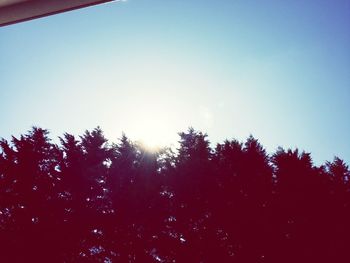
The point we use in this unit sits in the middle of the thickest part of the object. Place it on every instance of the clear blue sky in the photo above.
(279, 70)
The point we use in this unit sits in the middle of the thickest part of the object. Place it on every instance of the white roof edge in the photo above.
(14, 11)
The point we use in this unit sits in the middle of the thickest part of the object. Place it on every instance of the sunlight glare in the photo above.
(153, 129)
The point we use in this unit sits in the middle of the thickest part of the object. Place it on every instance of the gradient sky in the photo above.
(279, 70)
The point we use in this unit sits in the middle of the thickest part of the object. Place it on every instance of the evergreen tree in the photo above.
(85, 200)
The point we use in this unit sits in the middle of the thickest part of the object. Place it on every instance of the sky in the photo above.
(279, 70)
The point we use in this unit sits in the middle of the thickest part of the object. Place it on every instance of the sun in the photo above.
(153, 130)
(152, 142)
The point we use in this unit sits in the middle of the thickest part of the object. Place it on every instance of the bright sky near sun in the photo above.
(279, 70)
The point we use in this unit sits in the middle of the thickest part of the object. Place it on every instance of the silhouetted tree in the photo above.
(30, 165)
(85, 200)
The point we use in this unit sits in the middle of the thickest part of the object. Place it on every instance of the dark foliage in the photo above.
(85, 200)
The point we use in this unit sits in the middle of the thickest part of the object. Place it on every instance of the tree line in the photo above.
(88, 200)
